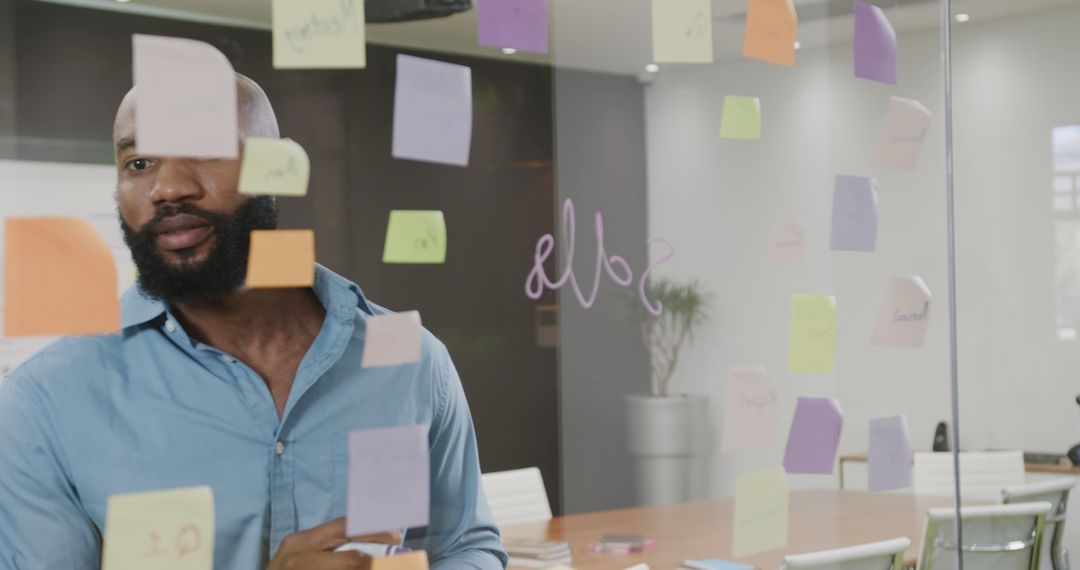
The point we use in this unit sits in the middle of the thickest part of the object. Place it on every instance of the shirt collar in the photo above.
(338, 295)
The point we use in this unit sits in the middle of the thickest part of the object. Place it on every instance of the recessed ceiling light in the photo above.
(961, 18)
(509, 51)
(123, 1)
(652, 68)
(798, 45)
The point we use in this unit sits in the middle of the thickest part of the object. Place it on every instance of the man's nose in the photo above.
(176, 182)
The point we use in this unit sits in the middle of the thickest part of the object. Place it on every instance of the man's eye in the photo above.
(139, 164)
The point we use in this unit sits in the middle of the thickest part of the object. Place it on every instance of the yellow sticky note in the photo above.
(274, 166)
(415, 236)
(741, 118)
(771, 31)
(319, 34)
(682, 31)
(761, 512)
(281, 258)
(410, 561)
(59, 278)
(813, 334)
(163, 530)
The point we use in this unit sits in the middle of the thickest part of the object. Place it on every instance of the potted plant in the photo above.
(665, 431)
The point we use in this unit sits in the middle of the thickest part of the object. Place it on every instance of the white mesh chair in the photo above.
(1054, 556)
(885, 555)
(517, 496)
(983, 474)
(997, 537)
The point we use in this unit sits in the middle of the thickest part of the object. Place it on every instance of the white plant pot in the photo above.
(665, 435)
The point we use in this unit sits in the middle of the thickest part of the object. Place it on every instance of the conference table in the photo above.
(818, 520)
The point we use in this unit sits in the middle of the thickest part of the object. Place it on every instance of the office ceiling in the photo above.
(602, 35)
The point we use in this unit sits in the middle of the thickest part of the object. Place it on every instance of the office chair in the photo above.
(1054, 556)
(885, 555)
(998, 537)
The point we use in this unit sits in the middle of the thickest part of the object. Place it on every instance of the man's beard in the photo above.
(225, 266)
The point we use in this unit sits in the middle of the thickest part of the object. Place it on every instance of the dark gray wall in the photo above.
(7, 78)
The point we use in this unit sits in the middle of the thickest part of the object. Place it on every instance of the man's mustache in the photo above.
(215, 219)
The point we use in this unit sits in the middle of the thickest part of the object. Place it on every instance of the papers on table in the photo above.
(682, 31)
(875, 44)
(59, 278)
(281, 258)
(741, 118)
(902, 135)
(905, 314)
(185, 99)
(812, 348)
(761, 512)
(854, 214)
(787, 241)
(164, 530)
(750, 412)
(274, 166)
(814, 438)
(890, 454)
(393, 339)
(415, 236)
(771, 31)
(389, 479)
(517, 24)
(326, 34)
(432, 111)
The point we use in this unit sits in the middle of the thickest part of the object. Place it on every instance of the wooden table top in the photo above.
(818, 520)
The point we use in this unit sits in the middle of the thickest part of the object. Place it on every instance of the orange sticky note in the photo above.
(59, 278)
(281, 258)
(772, 28)
(409, 561)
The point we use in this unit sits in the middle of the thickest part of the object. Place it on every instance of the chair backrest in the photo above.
(997, 537)
(1055, 492)
(884, 555)
(517, 496)
(983, 474)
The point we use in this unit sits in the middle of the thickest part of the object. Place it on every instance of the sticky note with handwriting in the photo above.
(787, 241)
(682, 31)
(812, 348)
(741, 118)
(185, 99)
(432, 111)
(415, 236)
(875, 44)
(319, 34)
(517, 24)
(274, 166)
(389, 479)
(761, 512)
(164, 530)
(854, 214)
(772, 28)
(59, 278)
(392, 339)
(814, 438)
(749, 410)
(905, 314)
(902, 135)
(890, 454)
(281, 258)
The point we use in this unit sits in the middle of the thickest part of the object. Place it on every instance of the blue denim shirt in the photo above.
(149, 408)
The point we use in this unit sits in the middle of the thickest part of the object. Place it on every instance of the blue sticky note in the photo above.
(854, 214)
(815, 436)
(890, 454)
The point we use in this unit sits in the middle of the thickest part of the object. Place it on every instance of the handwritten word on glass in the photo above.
(761, 512)
(281, 258)
(813, 334)
(415, 236)
(616, 266)
(890, 454)
(815, 436)
(164, 530)
(323, 34)
(432, 111)
(741, 118)
(682, 31)
(274, 166)
(905, 314)
(771, 31)
(392, 339)
(875, 44)
(389, 479)
(518, 24)
(787, 241)
(854, 214)
(902, 135)
(749, 410)
(185, 99)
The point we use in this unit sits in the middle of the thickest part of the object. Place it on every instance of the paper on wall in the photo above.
(750, 410)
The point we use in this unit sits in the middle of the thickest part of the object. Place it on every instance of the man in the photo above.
(252, 392)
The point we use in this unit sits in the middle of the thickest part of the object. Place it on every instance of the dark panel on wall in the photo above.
(7, 78)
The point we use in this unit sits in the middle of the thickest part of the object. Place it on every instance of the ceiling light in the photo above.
(798, 45)
(652, 68)
(509, 51)
(124, 1)
(961, 18)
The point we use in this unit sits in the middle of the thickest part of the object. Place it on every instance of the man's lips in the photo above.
(181, 231)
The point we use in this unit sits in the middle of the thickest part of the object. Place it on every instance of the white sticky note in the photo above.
(682, 31)
(902, 135)
(761, 512)
(389, 480)
(319, 34)
(890, 454)
(277, 167)
(787, 241)
(432, 111)
(392, 339)
(185, 99)
(164, 530)
(750, 414)
(905, 314)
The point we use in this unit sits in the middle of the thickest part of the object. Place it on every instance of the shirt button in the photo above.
(170, 326)
(225, 358)
(279, 448)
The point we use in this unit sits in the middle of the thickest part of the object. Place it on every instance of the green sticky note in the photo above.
(741, 119)
(813, 334)
(415, 236)
(164, 530)
(761, 512)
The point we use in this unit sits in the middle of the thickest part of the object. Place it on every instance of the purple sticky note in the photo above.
(432, 111)
(815, 436)
(389, 480)
(875, 44)
(518, 24)
(890, 454)
(854, 214)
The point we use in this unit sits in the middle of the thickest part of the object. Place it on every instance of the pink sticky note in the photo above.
(875, 44)
(815, 436)
(905, 314)
(890, 454)
(392, 339)
(185, 99)
(749, 410)
(518, 24)
(432, 111)
(389, 480)
(786, 241)
(902, 135)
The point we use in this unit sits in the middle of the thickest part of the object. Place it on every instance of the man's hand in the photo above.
(313, 549)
